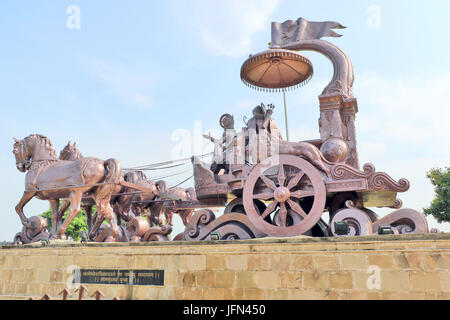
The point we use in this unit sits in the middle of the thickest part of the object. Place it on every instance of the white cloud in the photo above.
(403, 129)
(414, 112)
(131, 87)
(226, 27)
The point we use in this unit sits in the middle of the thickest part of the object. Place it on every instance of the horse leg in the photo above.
(27, 196)
(88, 210)
(186, 216)
(169, 216)
(65, 205)
(97, 223)
(105, 210)
(75, 208)
(118, 216)
(54, 204)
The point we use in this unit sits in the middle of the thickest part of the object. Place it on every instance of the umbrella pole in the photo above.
(285, 115)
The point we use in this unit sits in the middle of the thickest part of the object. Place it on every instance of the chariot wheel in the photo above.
(237, 206)
(294, 192)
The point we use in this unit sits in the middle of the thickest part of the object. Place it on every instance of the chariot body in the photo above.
(285, 191)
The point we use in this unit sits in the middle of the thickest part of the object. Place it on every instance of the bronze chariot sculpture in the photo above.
(268, 186)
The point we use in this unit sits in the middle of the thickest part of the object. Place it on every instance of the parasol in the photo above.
(276, 70)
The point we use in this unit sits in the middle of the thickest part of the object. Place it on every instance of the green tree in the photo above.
(440, 206)
(78, 224)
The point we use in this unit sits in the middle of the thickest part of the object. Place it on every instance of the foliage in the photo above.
(78, 224)
(440, 206)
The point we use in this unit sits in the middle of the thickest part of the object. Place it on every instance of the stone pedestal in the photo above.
(373, 267)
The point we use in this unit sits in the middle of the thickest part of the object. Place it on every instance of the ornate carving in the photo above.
(405, 221)
(346, 185)
(358, 221)
(37, 231)
(382, 181)
(377, 181)
(157, 234)
(329, 115)
(105, 234)
(398, 204)
(364, 222)
(343, 171)
(230, 226)
(136, 228)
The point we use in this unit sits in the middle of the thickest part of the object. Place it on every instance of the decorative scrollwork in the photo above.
(405, 221)
(230, 226)
(398, 204)
(157, 234)
(342, 171)
(136, 228)
(377, 181)
(382, 181)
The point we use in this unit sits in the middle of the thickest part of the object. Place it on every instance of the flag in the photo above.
(302, 29)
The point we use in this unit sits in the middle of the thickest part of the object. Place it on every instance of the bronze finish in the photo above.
(296, 179)
(49, 178)
(276, 69)
(279, 188)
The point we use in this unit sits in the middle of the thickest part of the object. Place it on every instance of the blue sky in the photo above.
(138, 73)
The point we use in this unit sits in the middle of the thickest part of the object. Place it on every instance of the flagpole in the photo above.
(285, 115)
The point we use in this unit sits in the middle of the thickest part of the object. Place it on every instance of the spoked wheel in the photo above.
(237, 206)
(294, 192)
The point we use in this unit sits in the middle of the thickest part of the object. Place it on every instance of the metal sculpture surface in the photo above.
(276, 69)
(268, 186)
(64, 179)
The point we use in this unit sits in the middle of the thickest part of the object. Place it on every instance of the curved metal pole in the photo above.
(285, 115)
(343, 77)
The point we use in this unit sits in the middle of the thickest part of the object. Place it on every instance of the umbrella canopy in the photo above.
(276, 69)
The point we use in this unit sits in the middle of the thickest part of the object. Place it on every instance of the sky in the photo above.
(140, 81)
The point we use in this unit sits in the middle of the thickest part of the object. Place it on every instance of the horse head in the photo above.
(35, 147)
(70, 152)
(22, 154)
(139, 178)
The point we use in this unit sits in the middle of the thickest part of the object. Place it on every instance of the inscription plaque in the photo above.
(121, 277)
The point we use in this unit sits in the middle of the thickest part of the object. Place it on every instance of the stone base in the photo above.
(374, 267)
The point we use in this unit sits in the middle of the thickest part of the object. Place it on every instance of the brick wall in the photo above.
(398, 267)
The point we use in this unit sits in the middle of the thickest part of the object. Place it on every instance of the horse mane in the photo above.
(45, 142)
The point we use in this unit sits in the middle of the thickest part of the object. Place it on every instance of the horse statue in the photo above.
(71, 153)
(156, 208)
(49, 178)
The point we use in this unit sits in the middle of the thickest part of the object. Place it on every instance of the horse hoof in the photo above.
(58, 236)
(110, 239)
